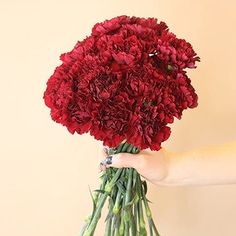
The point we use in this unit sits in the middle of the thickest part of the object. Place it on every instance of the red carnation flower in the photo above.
(126, 81)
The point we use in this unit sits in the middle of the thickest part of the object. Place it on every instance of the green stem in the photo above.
(127, 197)
(148, 213)
(119, 148)
(112, 226)
(95, 199)
(125, 147)
(142, 228)
(131, 186)
(110, 184)
(116, 224)
(108, 228)
(154, 227)
(124, 230)
(108, 222)
(150, 229)
(83, 229)
(122, 226)
(129, 218)
(136, 216)
(133, 225)
(129, 172)
(116, 207)
(93, 223)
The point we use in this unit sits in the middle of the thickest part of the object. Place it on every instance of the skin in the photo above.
(209, 165)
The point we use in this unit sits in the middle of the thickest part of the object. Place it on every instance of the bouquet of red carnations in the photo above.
(123, 84)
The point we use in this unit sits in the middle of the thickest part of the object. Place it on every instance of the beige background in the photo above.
(45, 171)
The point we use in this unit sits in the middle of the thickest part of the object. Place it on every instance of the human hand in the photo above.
(152, 165)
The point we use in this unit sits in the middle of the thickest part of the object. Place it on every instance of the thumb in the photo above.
(122, 160)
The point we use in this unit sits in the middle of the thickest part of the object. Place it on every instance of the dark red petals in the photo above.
(126, 80)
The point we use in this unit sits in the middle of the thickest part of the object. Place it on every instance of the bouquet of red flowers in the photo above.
(123, 84)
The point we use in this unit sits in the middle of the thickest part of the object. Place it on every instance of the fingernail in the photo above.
(102, 167)
(107, 161)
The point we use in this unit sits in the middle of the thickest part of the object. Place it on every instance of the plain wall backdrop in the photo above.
(45, 171)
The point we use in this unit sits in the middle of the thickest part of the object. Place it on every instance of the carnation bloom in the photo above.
(126, 81)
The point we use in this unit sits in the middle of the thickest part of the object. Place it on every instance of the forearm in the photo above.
(208, 165)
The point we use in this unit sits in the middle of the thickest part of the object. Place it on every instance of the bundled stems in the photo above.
(109, 221)
(127, 196)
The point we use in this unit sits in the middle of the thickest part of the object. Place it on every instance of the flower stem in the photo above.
(109, 221)
(148, 213)
(117, 206)
(133, 225)
(122, 226)
(108, 228)
(127, 198)
(93, 223)
(142, 229)
(110, 184)
(129, 171)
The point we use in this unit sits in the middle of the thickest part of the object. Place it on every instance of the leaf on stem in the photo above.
(94, 203)
(144, 183)
(100, 191)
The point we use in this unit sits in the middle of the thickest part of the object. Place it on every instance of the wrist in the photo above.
(175, 172)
